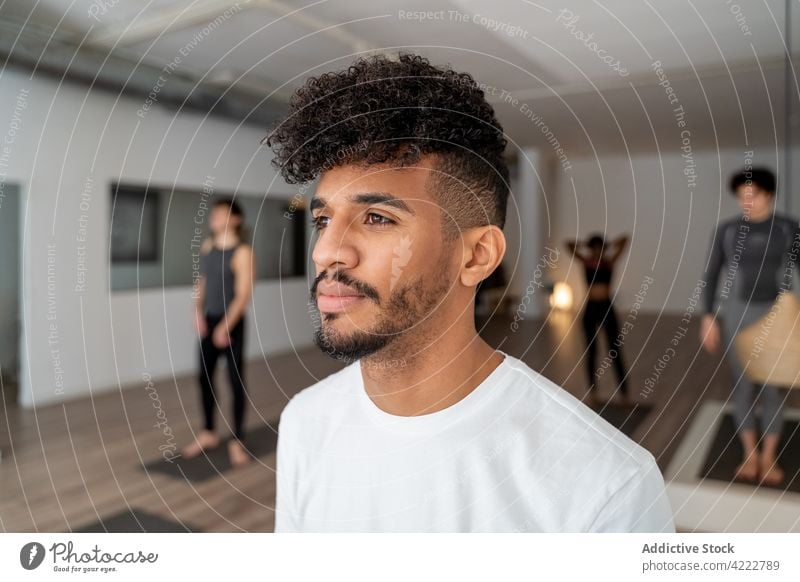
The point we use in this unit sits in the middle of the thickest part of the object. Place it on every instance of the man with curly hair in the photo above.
(428, 428)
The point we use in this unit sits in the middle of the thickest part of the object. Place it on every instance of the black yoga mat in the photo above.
(725, 454)
(135, 521)
(259, 442)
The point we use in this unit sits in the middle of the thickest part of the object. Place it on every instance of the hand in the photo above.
(709, 333)
(221, 336)
(200, 324)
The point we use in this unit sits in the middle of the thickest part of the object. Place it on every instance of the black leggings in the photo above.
(209, 353)
(599, 314)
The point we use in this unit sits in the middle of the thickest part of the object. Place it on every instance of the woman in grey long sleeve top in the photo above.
(748, 262)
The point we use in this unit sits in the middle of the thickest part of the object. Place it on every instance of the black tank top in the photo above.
(220, 281)
(597, 271)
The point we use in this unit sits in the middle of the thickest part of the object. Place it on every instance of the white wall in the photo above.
(525, 248)
(70, 143)
(648, 196)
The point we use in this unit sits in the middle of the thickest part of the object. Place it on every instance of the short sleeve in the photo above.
(639, 505)
(285, 478)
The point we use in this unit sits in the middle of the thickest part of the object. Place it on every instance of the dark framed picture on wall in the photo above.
(134, 224)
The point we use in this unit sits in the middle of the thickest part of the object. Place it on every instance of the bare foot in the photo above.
(772, 474)
(205, 440)
(748, 469)
(238, 454)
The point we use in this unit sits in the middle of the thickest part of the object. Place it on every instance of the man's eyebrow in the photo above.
(317, 202)
(366, 198)
(381, 198)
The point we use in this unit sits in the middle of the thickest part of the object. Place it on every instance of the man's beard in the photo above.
(406, 308)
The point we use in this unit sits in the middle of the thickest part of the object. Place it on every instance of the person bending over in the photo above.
(753, 251)
(428, 428)
(223, 293)
(598, 263)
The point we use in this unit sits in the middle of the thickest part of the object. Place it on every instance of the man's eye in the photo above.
(378, 219)
(319, 222)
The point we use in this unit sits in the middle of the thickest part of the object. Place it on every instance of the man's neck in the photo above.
(412, 382)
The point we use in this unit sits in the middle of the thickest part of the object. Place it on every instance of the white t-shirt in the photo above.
(518, 453)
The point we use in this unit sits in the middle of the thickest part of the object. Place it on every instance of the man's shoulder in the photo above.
(320, 399)
(559, 413)
(611, 483)
(788, 223)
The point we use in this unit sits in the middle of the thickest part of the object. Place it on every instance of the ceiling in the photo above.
(587, 73)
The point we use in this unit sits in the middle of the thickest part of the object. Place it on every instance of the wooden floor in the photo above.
(65, 466)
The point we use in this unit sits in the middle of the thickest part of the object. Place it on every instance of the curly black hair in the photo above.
(762, 177)
(381, 110)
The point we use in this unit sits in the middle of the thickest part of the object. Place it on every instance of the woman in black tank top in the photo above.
(222, 296)
(598, 259)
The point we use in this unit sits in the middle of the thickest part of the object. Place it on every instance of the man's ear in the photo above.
(483, 249)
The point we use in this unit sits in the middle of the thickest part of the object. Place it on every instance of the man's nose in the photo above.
(335, 248)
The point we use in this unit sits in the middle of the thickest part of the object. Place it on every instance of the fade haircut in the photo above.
(380, 110)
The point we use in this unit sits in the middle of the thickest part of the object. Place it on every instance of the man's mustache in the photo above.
(345, 279)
